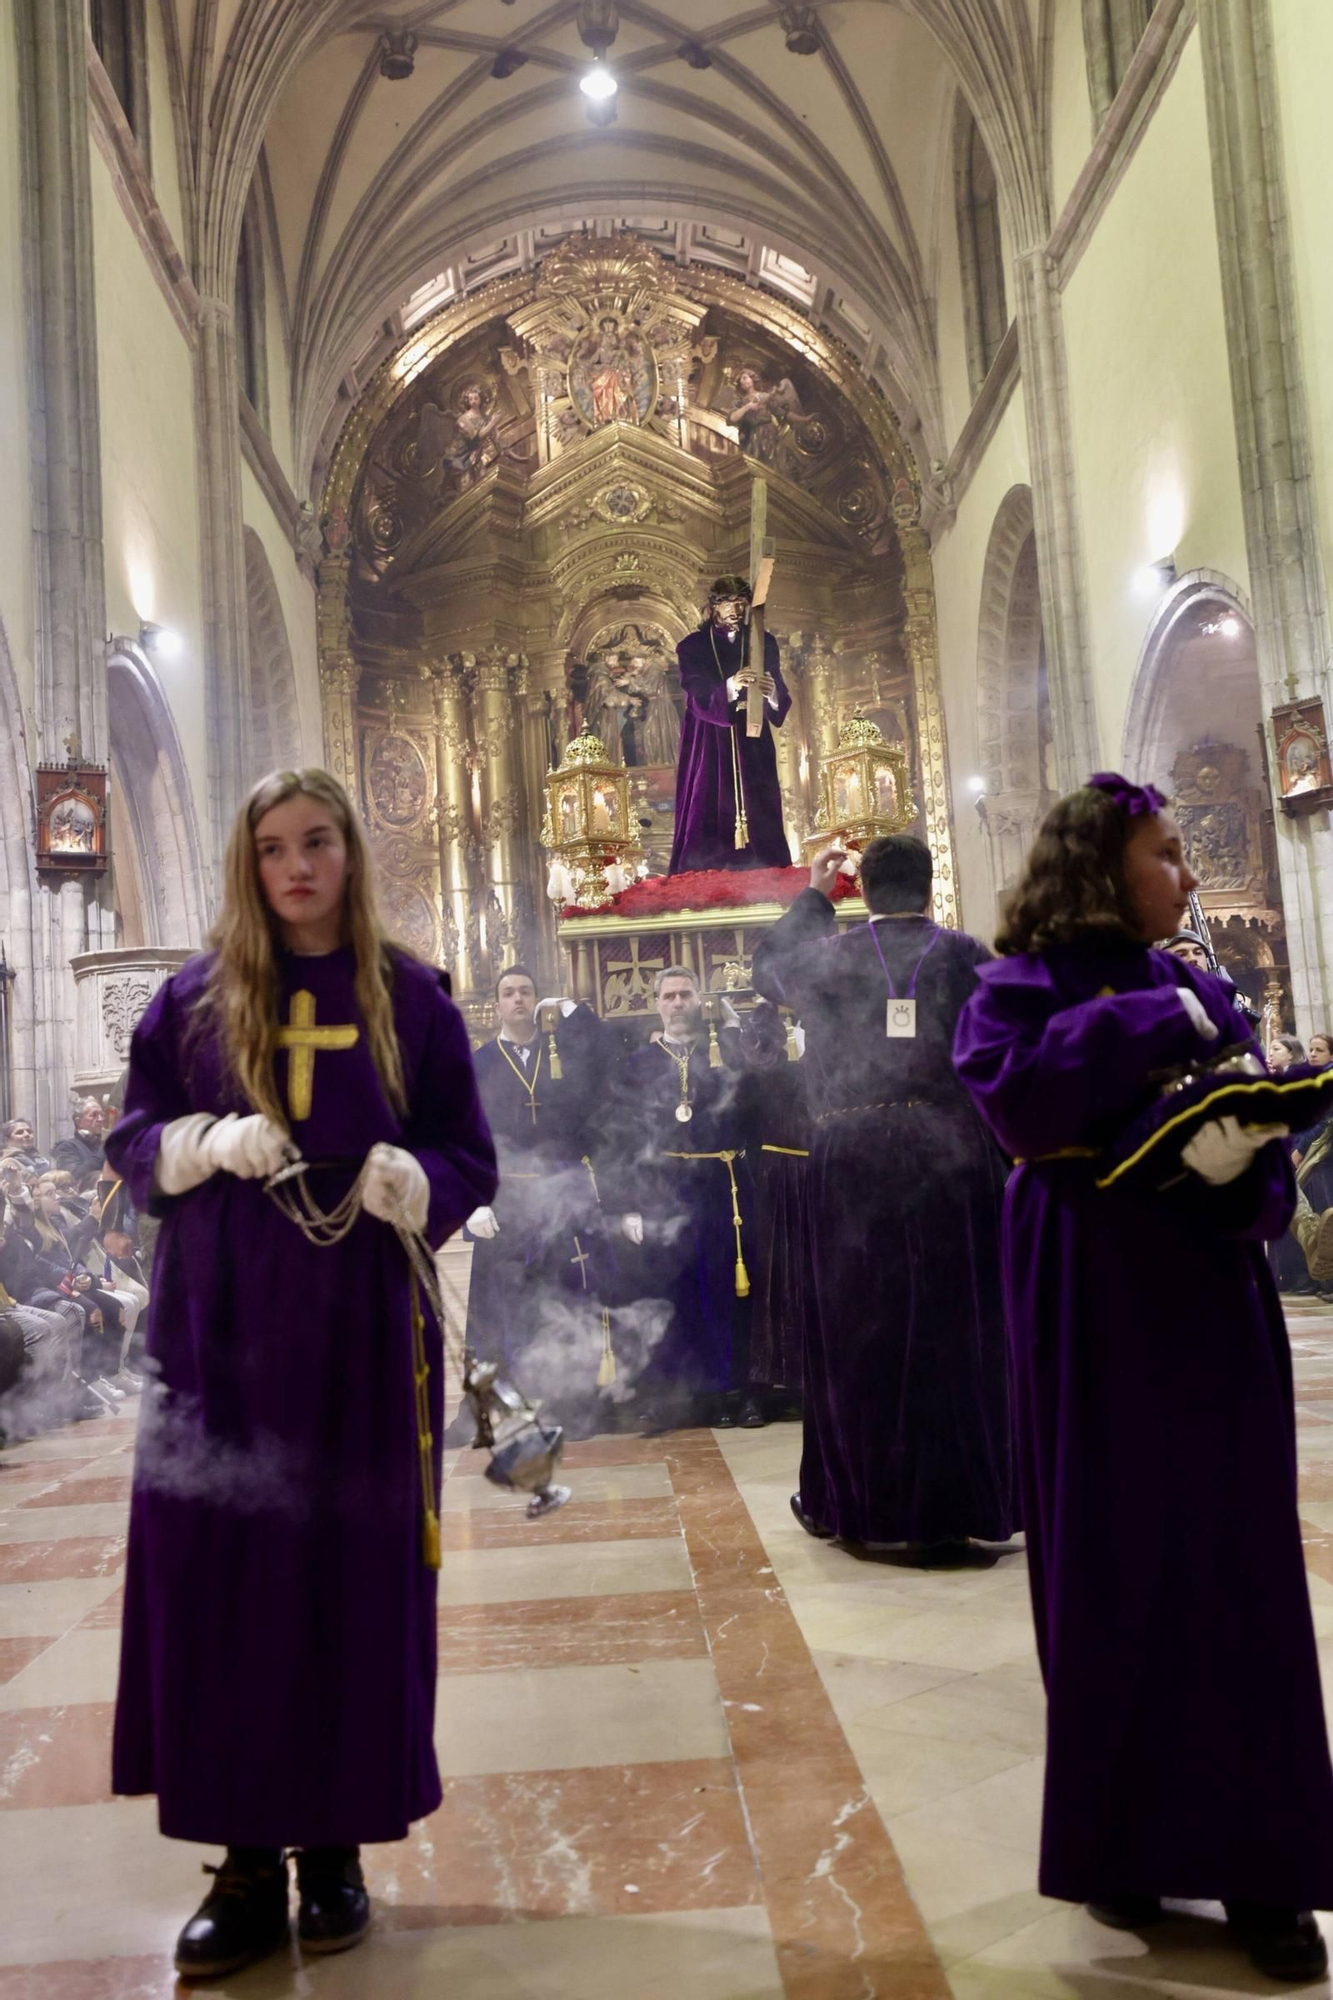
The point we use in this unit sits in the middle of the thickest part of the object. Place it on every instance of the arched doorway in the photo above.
(275, 730)
(1195, 729)
(1015, 740)
(156, 858)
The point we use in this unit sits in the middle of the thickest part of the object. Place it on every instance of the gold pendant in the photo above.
(684, 1113)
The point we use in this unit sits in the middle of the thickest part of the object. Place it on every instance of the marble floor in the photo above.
(686, 1752)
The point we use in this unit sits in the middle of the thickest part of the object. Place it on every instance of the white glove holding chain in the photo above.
(1197, 1012)
(395, 1188)
(555, 1000)
(1221, 1150)
(632, 1228)
(182, 1160)
(482, 1223)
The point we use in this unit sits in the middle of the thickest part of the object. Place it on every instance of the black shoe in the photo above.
(724, 1416)
(1128, 1913)
(751, 1416)
(243, 1917)
(1283, 1943)
(811, 1527)
(335, 1909)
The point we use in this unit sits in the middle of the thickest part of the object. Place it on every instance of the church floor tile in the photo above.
(685, 1751)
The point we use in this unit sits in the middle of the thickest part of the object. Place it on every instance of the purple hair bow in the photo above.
(1132, 799)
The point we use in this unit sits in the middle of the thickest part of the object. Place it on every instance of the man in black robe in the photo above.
(907, 1437)
(681, 1131)
(540, 1262)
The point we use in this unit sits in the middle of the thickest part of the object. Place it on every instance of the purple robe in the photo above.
(1186, 1748)
(688, 1256)
(906, 1401)
(277, 1674)
(779, 1152)
(705, 782)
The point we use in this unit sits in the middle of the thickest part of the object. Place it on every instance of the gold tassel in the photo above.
(742, 1278)
(430, 1519)
(714, 1052)
(430, 1539)
(793, 1052)
(742, 837)
(555, 1067)
(606, 1371)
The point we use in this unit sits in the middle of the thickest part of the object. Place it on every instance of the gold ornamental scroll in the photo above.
(454, 827)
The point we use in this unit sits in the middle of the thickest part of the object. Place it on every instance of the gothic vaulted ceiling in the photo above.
(820, 174)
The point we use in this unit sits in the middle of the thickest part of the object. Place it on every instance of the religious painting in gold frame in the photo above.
(71, 818)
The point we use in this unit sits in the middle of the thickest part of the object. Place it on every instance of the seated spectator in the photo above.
(81, 1153)
(114, 1313)
(18, 1141)
(47, 1388)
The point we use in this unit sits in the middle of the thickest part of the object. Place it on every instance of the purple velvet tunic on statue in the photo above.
(277, 1675)
(906, 1401)
(1186, 1748)
(713, 729)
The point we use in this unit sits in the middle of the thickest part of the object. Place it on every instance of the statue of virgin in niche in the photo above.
(630, 701)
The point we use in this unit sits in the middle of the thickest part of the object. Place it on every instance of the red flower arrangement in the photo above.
(711, 889)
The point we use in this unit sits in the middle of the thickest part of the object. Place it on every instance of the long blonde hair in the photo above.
(243, 985)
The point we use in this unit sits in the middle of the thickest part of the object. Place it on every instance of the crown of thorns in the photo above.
(729, 586)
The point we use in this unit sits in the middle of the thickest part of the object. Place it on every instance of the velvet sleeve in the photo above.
(1046, 1077)
(705, 690)
(446, 1128)
(778, 955)
(155, 1094)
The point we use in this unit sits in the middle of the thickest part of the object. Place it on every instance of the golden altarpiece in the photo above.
(521, 520)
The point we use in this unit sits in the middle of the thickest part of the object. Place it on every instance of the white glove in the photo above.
(632, 1227)
(1221, 1150)
(482, 1223)
(1198, 1014)
(566, 1006)
(252, 1148)
(395, 1188)
(183, 1161)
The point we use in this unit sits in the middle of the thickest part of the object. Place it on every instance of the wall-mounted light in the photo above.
(1226, 627)
(1156, 577)
(976, 786)
(162, 641)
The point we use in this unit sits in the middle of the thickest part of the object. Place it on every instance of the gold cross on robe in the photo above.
(303, 1041)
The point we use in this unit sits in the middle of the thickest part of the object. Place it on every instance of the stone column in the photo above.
(507, 915)
(65, 440)
(1059, 546)
(1287, 581)
(454, 822)
(226, 632)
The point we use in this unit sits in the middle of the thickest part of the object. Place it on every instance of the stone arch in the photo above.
(156, 852)
(1014, 737)
(275, 728)
(19, 920)
(1195, 728)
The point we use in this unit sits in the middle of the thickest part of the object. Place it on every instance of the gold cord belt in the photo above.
(728, 1160)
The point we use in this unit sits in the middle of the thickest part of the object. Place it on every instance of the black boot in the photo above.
(1283, 1943)
(811, 1527)
(335, 1909)
(752, 1416)
(243, 1917)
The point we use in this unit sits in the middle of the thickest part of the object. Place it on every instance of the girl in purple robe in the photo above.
(1186, 1746)
(277, 1678)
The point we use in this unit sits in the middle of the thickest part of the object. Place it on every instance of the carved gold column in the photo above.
(339, 674)
(454, 822)
(789, 742)
(921, 645)
(502, 815)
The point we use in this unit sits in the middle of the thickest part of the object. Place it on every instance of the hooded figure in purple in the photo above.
(1186, 1747)
(277, 1675)
(716, 754)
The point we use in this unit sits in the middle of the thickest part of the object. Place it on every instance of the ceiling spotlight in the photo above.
(507, 62)
(598, 21)
(161, 640)
(695, 54)
(601, 111)
(398, 54)
(598, 84)
(802, 31)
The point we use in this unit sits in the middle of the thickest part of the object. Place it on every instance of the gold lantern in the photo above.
(865, 789)
(587, 825)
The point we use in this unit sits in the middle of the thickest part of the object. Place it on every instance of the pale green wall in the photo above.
(959, 560)
(149, 469)
(1150, 390)
(1303, 37)
(16, 601)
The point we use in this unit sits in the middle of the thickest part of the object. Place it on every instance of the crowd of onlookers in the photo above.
(74, 1261)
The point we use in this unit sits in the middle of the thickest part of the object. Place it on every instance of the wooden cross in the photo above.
(303, 1040)
(581, 1259)
(762, 551)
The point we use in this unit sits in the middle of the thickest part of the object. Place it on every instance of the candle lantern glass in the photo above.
(865, 789)
(587, 822)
